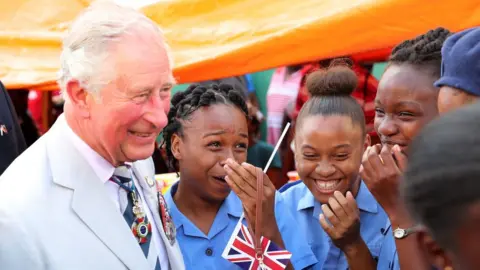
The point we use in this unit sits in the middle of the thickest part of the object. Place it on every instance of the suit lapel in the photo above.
(90, 200)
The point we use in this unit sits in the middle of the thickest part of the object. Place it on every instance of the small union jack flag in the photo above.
(240, 251)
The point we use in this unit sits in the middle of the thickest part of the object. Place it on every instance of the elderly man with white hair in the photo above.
(84, 195)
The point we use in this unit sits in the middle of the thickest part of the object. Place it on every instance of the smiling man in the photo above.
(84, 195)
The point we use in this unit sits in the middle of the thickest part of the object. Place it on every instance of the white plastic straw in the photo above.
(276, 147)
(271, 157)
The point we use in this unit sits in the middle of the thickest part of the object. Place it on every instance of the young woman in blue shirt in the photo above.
(406, 101)
(206, 140)
(343, 222)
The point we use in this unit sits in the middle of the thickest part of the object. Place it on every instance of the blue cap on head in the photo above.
(461, 61)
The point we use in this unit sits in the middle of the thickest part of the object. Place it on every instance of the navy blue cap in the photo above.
(461, 61)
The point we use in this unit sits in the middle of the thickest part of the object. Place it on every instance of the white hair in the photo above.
(85, 48)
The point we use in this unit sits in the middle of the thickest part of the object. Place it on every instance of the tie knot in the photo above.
(123, 174)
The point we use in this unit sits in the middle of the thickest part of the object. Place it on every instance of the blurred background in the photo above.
(265, 48)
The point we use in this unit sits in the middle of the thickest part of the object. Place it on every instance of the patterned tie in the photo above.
(123, 177)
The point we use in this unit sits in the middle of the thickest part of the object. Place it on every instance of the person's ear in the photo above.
(176, 142)
(79, 97)
(434, 253)
(367, 142)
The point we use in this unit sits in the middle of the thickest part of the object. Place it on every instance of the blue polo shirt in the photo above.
(388, 258)
(202, 251)
(306, 211)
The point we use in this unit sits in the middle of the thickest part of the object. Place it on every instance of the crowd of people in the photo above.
(393, 189)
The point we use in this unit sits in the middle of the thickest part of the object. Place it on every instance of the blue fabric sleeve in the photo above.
(388, 259)
(295, 241)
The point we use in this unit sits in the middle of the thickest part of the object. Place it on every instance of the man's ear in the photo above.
(434, 253)
(79, 97)
(176, 141)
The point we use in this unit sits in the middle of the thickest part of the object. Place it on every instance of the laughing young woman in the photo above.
(406, 101)
(341, 218)
(207, 139)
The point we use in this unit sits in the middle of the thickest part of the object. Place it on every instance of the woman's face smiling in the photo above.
(406, 101)
(211, 136)
(328, 154)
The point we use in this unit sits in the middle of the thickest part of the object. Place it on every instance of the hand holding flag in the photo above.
(255, 251)
(240, 251)
(243, 181)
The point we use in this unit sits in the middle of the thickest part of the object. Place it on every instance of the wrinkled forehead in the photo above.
(142, 62)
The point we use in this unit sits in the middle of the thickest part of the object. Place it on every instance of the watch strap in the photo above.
(408, 231)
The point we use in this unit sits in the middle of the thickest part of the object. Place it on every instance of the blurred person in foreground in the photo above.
(84, 196)
(442, 191)
(12, 142)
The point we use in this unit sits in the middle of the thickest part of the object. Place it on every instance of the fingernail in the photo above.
(349, 193)
(226, 168)
(396, 147)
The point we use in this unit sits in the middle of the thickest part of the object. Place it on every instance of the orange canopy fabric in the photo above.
(213, 39)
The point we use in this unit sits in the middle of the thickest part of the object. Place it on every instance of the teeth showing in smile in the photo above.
(327, 185)
(141, 134)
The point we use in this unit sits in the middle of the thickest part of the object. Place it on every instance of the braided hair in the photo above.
(424, 50)
(186, 102)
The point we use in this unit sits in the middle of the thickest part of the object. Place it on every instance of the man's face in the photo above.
(131, 110)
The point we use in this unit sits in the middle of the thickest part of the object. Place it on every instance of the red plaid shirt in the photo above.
(364, 94)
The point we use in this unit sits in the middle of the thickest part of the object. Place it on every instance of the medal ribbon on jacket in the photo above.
(141, 227)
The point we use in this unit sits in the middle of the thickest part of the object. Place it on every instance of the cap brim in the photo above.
(441, 82)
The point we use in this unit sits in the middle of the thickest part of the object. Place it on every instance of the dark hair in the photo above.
(330, 91)
(194, 97)
(424, 50)
(443, 173)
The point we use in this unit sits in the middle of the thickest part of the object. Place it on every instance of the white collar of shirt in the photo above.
(102, 167)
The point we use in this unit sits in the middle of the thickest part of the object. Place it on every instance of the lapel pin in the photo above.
(3, 130)
(150, 181)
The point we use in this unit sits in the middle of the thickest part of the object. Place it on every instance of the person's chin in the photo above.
(141, 152)
(220, 188)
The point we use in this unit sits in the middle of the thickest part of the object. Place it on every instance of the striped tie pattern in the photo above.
(124, 177)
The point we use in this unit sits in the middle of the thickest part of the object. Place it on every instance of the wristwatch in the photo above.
(400, 233)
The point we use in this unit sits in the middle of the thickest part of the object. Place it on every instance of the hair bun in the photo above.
(337, 80)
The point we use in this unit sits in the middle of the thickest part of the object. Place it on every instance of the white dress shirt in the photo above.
(104, 171)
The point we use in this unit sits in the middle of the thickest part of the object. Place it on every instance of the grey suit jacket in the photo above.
(55, 213)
